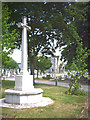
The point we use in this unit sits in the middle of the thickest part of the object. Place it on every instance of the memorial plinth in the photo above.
(24, 91)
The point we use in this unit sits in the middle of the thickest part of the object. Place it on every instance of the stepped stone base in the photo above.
(23, 97)
(42, 103)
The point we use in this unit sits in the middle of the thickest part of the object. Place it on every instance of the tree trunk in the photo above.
(37, 73)
(56, 81)
(32, 68)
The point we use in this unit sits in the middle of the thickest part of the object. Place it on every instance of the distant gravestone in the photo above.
(6, 72)
(2, 71)
(14, 72)
(9, 73)
(18, 71)
(62, 77)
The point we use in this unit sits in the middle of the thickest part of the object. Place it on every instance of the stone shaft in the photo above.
(24, 48)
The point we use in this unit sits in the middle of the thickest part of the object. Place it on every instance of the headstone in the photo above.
(14, 72)
(18, 71)
(9, 73)
(62, 77)
(2, 72)
(6, 73)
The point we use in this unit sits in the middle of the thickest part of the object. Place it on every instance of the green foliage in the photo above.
(46, 78)
(42, 63)
(5, 59)
(78, 92)
(79, 65)
(48, 22)
(70, 86)
(12, 64)
(8, 37)
(77, 58)
(77, 86)
(60, 21)
(8, 62)
(79, 30)
(8, 84)
(74, 89)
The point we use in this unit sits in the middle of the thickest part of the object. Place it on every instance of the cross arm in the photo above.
(23, 25)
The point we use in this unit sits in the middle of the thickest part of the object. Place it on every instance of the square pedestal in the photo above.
(24, 82)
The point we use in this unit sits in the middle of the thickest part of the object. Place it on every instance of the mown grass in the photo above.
(64, 106)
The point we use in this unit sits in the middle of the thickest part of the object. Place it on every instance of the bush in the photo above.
(77, 86)
(76, 92)
(60, 77)
(44, 77)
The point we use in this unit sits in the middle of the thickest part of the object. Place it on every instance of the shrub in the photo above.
(44, 77)
(76, 92)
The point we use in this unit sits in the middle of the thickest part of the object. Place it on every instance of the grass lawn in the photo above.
(65, 106)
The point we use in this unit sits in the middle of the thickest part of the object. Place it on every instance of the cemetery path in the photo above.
(84, 87)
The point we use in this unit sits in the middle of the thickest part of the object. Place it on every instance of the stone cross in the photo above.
(24, 81)
(24, 92)
(24, 45)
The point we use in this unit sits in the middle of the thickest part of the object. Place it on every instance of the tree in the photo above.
(12, 64)
(5, 59)
(8, 37)
(8, 62)
(82, 29)
(37, 36)
(42, 63)
(79, 65)
(48, 22)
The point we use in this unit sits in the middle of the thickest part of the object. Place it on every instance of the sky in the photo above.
(17, 55)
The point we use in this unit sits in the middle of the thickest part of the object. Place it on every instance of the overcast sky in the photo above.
(16, 55)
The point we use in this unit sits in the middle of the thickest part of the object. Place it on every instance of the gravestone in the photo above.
(17, 71)
(14, 72)
(62, 77)
(24, 92)
(2, 71)
(9, 73)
